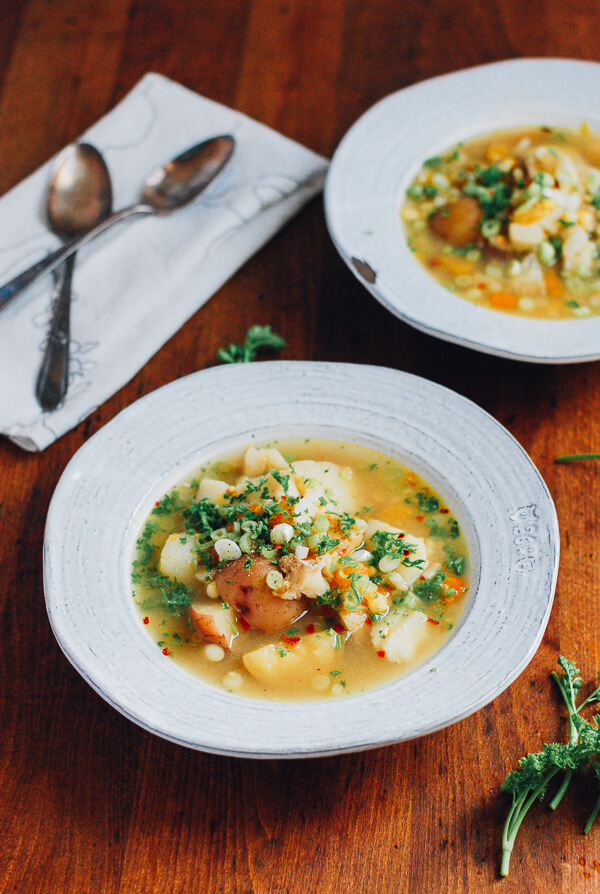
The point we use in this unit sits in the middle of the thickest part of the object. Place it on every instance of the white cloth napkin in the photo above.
(137, 284)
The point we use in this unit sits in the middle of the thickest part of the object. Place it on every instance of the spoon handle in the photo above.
(53, 378)
(12, 288)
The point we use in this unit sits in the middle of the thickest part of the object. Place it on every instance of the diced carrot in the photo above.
(504, 299)
(455, 584)
(496, 152)
(553, 284)
(454, 265)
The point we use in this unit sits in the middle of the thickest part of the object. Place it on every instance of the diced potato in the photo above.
(329, 482)
(215, 622)
(377, 601)
(315, 653)
(353, 620)
(259, 462)
(525, 236)
(212, 489)
(304, 577)
(578, 251)
(408, 573)
(402, 635)
(178, 559)
(274, 488)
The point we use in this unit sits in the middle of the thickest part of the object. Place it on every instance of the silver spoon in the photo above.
(79, 197)
(168, 188)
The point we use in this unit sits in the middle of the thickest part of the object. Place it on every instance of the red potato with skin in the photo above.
(215, 622)
(246, 590)
(458, 222)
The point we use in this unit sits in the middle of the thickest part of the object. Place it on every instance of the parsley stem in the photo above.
(595, 812)
(574, 457)
(513, 822)
(562, 790)
(569, 697)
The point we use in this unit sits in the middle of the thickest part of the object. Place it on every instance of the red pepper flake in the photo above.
(419, 517)
(400, 536)
(481, 285)
(431, 621)
(369, 622)
(381, 653)
(435, 262)
(244, 623)
(423, 577)
(444, 511)
(339, 628)
(166, 652)
(290, 640)
(310, 628)
(406, 552)
(157, 503)
(145, 620)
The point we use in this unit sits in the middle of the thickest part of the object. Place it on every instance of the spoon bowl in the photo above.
(80, 192)
(179, 181)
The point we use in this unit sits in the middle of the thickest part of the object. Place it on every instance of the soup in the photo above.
(511, 221)
(300, 570)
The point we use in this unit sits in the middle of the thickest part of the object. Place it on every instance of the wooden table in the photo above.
(91, 803)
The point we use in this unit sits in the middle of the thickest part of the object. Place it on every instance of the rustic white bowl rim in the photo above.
(383, 151)
(106, 491)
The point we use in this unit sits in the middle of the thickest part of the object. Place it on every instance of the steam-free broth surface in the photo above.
(511, 221)
(301, 570)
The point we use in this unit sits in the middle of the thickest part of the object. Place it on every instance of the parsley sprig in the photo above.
(257, 338)
(530, 782)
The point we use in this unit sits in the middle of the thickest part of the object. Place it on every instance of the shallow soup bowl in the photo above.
(107, 490)
(383, 151)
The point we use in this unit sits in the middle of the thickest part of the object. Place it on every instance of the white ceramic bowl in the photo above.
(108, 488)
(384, 150)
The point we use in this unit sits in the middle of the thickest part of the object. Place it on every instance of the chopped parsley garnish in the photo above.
(435, 161)
(443, 532)
(387, 543)
(427, 503)
(453, 561)
(431, 588)
(169, 504)
(257, 338)
(172, 595)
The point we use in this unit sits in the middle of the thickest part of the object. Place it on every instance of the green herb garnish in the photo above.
(257, 338)
(530, 782)
(574, 457)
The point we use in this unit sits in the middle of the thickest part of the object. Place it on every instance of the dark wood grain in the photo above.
(91, 803)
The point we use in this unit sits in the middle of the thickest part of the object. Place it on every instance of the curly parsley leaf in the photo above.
(257, 338)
